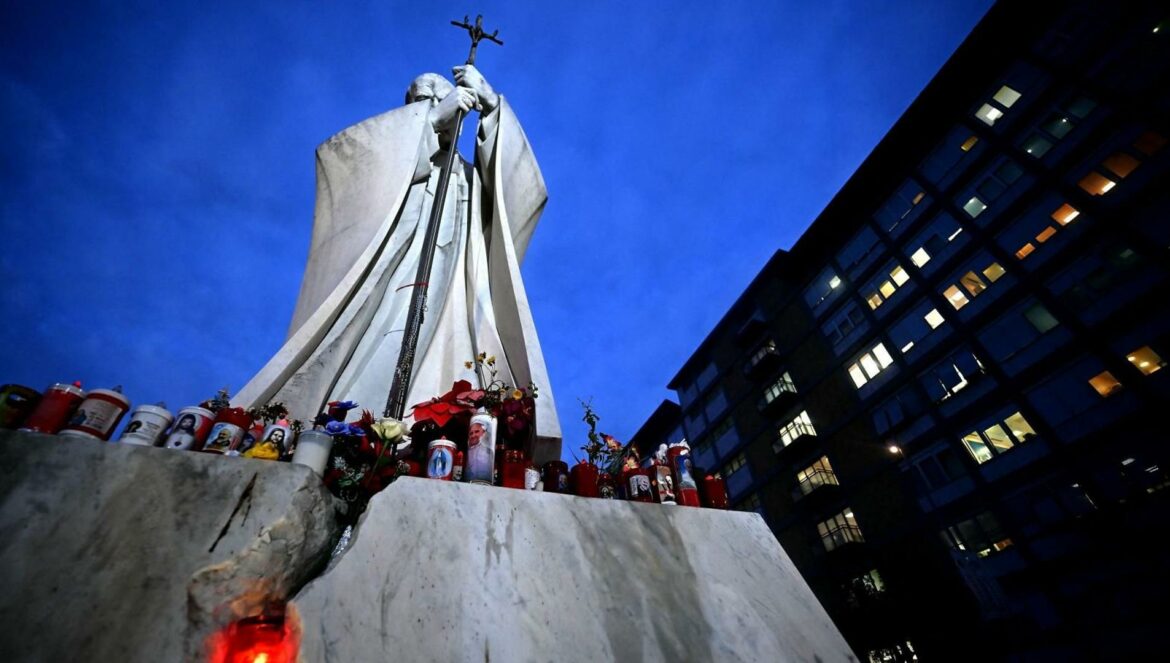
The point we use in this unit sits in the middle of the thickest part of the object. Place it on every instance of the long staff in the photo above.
(396, 400)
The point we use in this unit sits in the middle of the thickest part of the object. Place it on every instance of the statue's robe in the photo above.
(375, 184)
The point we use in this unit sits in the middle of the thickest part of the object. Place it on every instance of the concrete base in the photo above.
(112, 552)
(441, 571)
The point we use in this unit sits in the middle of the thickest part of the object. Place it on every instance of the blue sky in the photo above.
(157, 186)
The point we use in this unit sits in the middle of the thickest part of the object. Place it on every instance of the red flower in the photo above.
(451, 404)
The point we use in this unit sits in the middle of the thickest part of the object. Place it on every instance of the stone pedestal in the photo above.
(441, 571)
(112, 552)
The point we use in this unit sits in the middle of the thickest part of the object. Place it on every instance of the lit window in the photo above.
(887, 289)
(976, 447)
(1122, 164)
(993, 272)
(870, 364)
(1020, 427)
(988, 114)
(899, 275)
(816, 475)
(874, 300)
(1006, 96)
(1045, 235)
(934, 318)
(858, 377)
(981, 535)
(834, 282)
(1025, 251)
(1065, 214)
(793, 430)
(998, 438)
(973, 283)
(920, 257)
(974, 207)
(733, 466)
(1037, 145)
(1146, 360)
(918, 198)
(1040, 318)
(768, 349)
(1096, 184)
(955, 297)
(969, 143)
(839, 530)
(1104, 383)
(782, 386)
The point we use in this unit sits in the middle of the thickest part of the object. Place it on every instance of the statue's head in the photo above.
(428, 86)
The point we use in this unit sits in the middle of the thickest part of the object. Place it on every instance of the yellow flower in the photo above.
(389, 430)
(517, 394)
(491, 361)
(466, 364)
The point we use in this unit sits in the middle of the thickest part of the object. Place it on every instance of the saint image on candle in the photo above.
(269, 449)
(479, 452)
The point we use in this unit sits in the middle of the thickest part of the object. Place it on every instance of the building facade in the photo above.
(947, 398)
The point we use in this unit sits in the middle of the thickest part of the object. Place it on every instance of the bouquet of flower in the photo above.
(449, 414)
(364, 459)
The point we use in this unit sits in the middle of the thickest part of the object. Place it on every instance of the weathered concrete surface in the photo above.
(113, 552)
(441, 571)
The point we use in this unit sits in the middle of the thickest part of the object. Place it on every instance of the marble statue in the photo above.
(375, 184)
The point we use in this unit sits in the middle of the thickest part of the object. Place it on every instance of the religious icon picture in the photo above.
(479, 463)
(686, 479)
(271, 447)
(441, 460)
(639, 487)
(223, 434)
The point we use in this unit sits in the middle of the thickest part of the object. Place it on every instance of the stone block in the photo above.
(441, 571)
(112, 552)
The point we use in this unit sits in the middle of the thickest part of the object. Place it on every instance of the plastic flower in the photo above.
(517, 394)
(337, 428)
(611, 442)
(388, 430)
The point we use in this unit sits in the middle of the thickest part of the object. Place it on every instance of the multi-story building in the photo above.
(948, 397)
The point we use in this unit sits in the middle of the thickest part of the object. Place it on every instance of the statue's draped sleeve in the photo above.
(514, 196)
(363, 176)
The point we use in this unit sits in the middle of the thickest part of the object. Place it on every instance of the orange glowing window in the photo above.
(1025, 251)
(1045, 234)
(956, 297)
(1065, 214)
(1149, 142)
(1096, 184)
(1146, 360)
(969, 143)
(1104, 383)
(1122, 164)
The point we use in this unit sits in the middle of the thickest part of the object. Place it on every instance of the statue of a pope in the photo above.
(375, 184)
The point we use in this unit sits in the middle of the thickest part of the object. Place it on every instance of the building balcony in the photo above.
(765, 361)
(803, 442)
(818, 495)
(778, 404)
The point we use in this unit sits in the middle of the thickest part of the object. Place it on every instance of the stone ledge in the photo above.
(113, 552)
(441, 571)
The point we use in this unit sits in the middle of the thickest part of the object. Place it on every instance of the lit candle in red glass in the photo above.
(514, 466)
(583, 478)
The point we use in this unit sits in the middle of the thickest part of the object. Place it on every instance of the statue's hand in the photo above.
(468, 76)
(459, 99)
